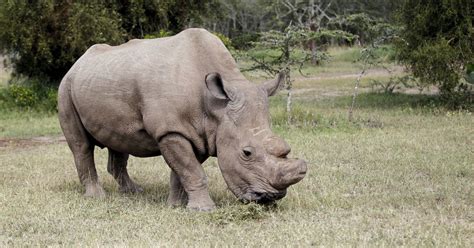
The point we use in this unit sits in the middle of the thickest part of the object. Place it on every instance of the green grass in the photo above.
(401, 174)
(25, 124)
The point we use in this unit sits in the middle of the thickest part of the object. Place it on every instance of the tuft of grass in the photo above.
(239, 213)
(344, 54)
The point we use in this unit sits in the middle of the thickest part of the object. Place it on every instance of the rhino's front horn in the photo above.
(293, 171)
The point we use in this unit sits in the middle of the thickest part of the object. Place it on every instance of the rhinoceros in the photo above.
(181, 97)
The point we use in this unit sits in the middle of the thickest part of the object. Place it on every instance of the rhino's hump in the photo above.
(155, 85)
(191, 53)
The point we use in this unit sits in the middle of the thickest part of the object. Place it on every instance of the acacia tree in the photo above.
(284, 53)
(310, 15)
(284, 44)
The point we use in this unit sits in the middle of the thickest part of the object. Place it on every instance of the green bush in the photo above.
(437, 44)
(245, 41)
(28, 95)
(162, 33)
(20, 96)
(45, 38)
(226, 40)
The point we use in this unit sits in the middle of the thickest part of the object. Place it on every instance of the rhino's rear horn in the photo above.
(274, 85)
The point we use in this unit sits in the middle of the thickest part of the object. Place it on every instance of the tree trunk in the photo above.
(289, 87)
(314, 51)
(288, 107)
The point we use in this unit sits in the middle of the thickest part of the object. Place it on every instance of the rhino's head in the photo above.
(253, 160)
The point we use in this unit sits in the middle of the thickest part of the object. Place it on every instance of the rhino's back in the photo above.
(127, 96)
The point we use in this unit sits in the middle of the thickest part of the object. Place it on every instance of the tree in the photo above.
(281, 54)
(44, 38)
(437, 44)
(311, 15)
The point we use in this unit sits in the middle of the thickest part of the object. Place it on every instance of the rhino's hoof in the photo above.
(202, 208)
(95, 191)
(174, 203)
(131, 189)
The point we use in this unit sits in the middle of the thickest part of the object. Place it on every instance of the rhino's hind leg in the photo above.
(84, 160)
(117, 167)
(179, 155)
(78, 141)
(177, 196)
(87, 173)
(83, 152)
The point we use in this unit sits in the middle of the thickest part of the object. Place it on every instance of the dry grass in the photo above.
(402, 175)
(407, 184)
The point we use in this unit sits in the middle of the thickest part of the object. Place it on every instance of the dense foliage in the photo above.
(44, 38)
(437, 43)
(246, 17)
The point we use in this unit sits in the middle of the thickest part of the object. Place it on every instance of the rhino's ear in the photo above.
(274, 85)
(215, 85)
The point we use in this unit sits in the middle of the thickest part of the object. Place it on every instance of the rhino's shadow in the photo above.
(156, 192)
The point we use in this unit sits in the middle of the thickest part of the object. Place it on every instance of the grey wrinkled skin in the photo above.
(181, 97)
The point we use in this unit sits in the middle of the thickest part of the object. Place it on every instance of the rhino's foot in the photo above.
(201, 208)
(94, 190)
(130, 188)
(202, 204)
(177, 199)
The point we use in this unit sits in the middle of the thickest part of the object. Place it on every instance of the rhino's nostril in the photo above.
(284, 152)
(303, 167)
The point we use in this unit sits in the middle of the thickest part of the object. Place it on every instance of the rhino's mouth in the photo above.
(262, 197)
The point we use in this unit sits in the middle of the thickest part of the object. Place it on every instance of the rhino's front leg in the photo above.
(177, 196)
(179, 155)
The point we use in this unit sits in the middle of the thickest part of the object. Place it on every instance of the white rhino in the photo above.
(181, 97)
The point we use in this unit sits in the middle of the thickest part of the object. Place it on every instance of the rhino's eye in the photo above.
(248, 152)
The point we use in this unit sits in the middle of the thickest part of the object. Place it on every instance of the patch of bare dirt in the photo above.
(378, 72)
(35, 141)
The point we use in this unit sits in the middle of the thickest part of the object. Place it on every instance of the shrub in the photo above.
(20, 96)
(29, 95)
(45, 38)
(245, 41)
(162, 33)
(226, 40)
(436, 44)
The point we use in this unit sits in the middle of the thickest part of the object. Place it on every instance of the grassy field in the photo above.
(402, 174)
